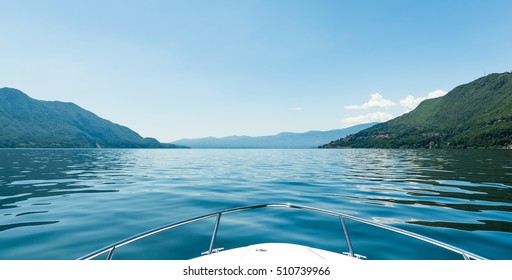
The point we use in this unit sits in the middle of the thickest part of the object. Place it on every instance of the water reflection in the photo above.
(65, 203)
(35, 174)
(488, 225)
(463, 180)
(33, 212)
(29, 224)
(456, 206)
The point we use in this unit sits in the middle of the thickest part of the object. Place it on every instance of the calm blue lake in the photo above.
(62, 204)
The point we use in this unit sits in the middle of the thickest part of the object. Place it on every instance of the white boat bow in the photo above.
(276, 252)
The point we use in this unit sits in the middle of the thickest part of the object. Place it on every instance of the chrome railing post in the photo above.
(347, 237)
(214, 235)
(110, 254)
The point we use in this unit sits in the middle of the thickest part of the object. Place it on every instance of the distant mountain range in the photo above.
(30, 123)
(473, 115)
(285, 140)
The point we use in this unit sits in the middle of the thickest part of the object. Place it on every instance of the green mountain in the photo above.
(474, 115)
(30, 123)
(284, 140)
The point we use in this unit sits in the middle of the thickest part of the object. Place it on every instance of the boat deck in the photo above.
(276, 252)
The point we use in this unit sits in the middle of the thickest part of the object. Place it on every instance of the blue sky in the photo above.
(189, 69)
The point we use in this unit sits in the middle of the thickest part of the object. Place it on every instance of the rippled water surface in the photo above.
(62, 204)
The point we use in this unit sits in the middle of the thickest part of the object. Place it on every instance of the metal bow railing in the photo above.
(109, 250)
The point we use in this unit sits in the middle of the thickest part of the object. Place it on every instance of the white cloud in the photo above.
(436, 93)
(411, 102)
(376, 100)
(372, 117)
(297, 109)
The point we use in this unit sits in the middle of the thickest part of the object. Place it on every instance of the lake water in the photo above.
(62, 204)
